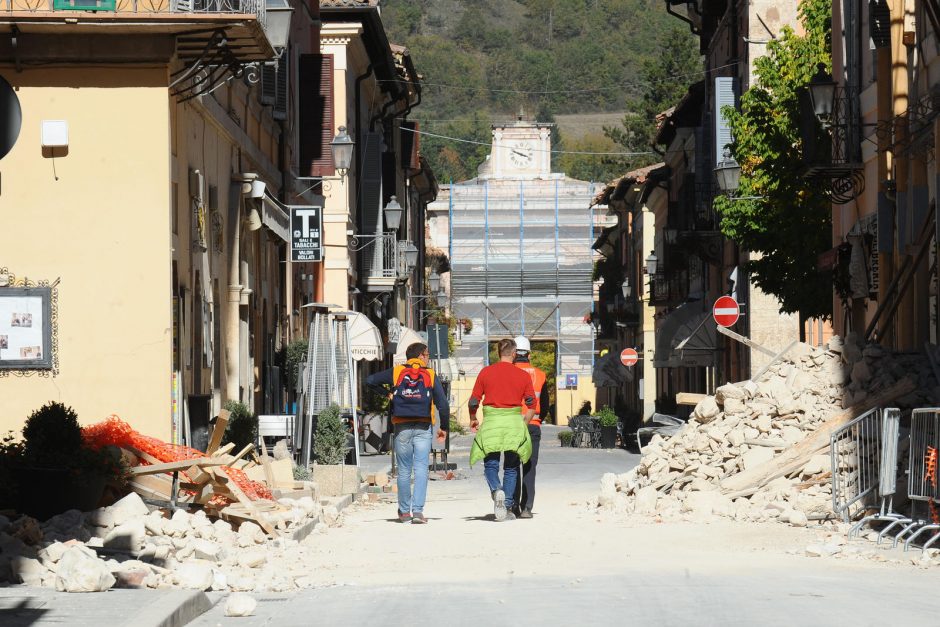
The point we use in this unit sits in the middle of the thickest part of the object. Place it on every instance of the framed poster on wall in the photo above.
(26, 328)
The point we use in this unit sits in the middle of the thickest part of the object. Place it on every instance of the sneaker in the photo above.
(499, 505)
(418, 519)
(404, 517)
(526, 513)
(517, 511)
(509, 516)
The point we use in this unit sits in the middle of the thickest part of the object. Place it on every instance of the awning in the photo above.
(406, 339)
(276, 219)
(607, 241)
(687, 337)
(365, 341)
(609, 372)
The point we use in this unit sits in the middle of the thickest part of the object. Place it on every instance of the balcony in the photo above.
(203, 34)
(666, 289)
(379, 261)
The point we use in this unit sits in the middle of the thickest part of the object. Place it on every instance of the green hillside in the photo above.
(484, 60)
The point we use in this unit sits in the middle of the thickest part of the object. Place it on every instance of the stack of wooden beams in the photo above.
(208, 483)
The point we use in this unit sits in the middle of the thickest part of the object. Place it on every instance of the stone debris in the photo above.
(240, 605)
(746, 424)
(132, 545)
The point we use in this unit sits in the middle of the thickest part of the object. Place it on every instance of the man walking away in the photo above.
(414, 391)
(503, 390)
(526, 490)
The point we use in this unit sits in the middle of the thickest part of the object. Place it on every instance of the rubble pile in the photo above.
(746, 425)
(131, 545)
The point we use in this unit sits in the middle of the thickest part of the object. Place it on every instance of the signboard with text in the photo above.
(306, 233)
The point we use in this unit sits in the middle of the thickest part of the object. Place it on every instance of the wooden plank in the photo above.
(218, 431)
(171, 466)
(197, 475)
(152, 486)
(244, 500)
(147, 457)
(249, 448)
(689, 398)
(745, 340)
(224, 450)
(796, 456)
(268, 473)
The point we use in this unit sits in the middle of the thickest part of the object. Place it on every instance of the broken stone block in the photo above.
(194, 576)
(729, 391)
(707, 410)
(240, 605)
(734, 406)
(128, 508)
(645, 501)
(79, 572)
(127, 537)
(757, 456)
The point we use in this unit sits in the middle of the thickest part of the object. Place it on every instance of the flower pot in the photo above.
(608, 436)
(45, 492)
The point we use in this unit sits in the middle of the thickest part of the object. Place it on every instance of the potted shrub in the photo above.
(608, 422)
(333, 477)
(242, 428)
(51, 469)
(565, 437)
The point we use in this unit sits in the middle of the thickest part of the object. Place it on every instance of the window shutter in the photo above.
(724, 97)
(369, 211)
(409, 146)
(281, 88)
(316, 114)
(268, 82)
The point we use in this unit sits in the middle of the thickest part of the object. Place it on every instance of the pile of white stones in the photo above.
(128, 545)
(746, 424)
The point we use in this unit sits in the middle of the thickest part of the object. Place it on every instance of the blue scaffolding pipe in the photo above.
(522, 248)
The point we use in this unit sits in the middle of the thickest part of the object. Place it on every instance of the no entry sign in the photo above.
(628, 357)
(726, 311)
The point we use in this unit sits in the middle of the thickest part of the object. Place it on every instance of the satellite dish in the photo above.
(11, 117)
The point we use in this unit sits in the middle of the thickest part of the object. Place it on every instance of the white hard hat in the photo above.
(522, 344)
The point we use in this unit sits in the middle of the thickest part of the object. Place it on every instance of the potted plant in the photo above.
(51, 469)
(608, 422)
(242, 428)
(565, 437)
(333, 477)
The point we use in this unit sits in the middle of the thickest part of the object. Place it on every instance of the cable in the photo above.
(546, 92)
(557, 152)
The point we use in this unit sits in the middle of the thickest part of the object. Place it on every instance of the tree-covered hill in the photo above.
(484, 60)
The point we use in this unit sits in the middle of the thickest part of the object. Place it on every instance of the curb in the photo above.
(174, 609)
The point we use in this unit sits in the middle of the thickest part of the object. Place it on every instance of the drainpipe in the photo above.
(357, 135)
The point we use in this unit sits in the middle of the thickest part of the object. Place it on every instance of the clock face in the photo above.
(521, 154)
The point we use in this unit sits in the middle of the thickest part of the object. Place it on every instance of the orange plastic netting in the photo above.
(113, 431)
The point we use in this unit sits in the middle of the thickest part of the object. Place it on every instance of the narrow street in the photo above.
(573, 563)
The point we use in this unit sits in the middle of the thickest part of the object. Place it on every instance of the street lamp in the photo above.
(342, 150)
(728, 174)
(822, 91)
(411, 256)
(626, 288)
(434, 281)
(651, 263)
(277, 16)
(393, 213)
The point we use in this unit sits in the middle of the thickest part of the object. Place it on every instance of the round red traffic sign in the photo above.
(726, 311)
(628, 357)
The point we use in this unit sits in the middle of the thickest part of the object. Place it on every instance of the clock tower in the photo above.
(521, 150)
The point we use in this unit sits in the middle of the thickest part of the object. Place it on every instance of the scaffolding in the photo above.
(521, 264)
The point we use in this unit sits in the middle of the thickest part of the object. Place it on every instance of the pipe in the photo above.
(231, 319)
(358, 136)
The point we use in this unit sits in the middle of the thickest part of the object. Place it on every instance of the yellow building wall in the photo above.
(102, 229)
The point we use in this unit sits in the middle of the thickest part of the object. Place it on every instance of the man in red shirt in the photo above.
(503, 389)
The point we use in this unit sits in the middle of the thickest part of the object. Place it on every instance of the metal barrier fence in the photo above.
(855, 451)
(922, 475)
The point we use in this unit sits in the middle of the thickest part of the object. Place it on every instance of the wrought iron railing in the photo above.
(250, 7)
(666, 289)
(380, 257)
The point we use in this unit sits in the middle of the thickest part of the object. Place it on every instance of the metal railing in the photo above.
(250, 7)
(872, 434)
(380, 257)
(922, 475)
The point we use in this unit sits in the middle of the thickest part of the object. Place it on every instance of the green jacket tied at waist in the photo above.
(502, 430)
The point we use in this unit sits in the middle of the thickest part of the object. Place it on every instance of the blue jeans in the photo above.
(412, 453)
(510, 474)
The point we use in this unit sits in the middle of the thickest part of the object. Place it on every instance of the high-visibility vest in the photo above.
(538, 382)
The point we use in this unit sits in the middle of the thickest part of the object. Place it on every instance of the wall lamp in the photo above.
(626, 288)
(251, 187)
(392, 214)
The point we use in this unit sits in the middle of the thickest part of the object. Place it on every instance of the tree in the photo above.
(663, 80)
(790, 223)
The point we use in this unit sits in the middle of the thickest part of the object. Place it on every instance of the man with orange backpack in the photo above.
(414, 391)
